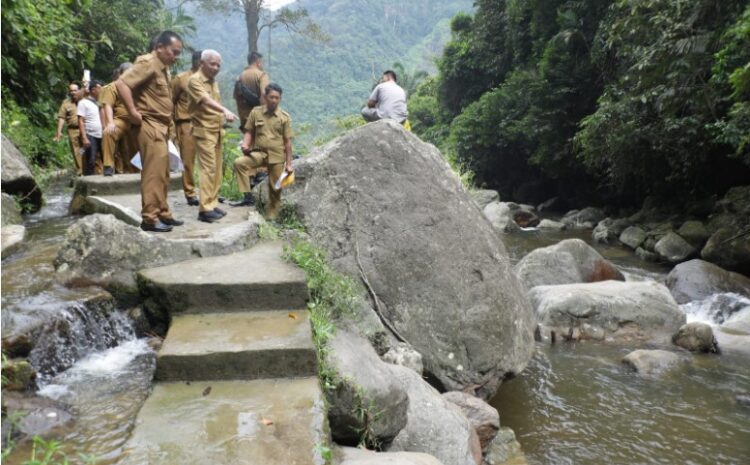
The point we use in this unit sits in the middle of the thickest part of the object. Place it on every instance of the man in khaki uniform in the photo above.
(256, 80)
(68, 114)
(208, 115)
(267, 142)
(118, 143)
(184, 128)
(144, 89)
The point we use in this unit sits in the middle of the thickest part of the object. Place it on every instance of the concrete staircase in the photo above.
(237, 373)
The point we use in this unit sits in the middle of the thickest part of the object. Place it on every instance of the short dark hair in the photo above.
(74, 83)
(197, 58)
(273, 86)
(252, 57)
(94, 83)
(165, 38)
(121, 69)
(392, 74)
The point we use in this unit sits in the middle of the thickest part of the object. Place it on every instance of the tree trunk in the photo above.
(252, 17)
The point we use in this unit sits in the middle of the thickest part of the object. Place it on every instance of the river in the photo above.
(574, 404)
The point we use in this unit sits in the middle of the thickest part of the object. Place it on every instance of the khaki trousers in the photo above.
(74, 138)
(152, 143)
(209, 146)
(186, 144)
(247, 166)
(119, 148)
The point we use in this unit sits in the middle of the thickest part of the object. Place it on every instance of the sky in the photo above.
(276, 4)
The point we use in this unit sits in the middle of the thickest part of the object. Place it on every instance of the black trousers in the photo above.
(91, 154)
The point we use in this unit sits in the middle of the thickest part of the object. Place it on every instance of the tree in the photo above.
(408, 81)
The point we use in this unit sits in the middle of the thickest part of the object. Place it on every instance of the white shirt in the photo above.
(89, 111)
(391, 100)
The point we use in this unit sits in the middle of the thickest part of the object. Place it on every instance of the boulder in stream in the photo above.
(694, 232)
(698, 279)
(633, 237)
(696, 337)
(11, 214)
(391, 213)
(608, 230)
(17, 178)
(484, 197)
(483, 417)
(500, 217)
(729, 247)
(674, 248)
(651, 362)
(583, 219)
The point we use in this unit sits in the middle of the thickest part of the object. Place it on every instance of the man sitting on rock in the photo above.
(388, 100)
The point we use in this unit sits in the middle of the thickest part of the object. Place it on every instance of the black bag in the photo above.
(247, 94)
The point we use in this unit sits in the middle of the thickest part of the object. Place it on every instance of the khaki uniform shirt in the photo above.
(269, 132)
(149, 80)
(110, 96)
(200, 86)
(69, 112)
(255, 79)
(179, 94)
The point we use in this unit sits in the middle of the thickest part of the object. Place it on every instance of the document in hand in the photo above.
(175, 162)
(285, 180)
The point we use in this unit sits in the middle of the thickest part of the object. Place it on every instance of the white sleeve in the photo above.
(81, 108)
(375, 93)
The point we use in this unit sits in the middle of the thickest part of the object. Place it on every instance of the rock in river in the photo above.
(17, 178)
(696, 337)
(651, 362)
(698, 279)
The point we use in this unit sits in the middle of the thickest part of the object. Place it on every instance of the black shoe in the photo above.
(108, 171)
(247, 200)
(209, 217)
(192, 201)
(156, 227)
(220, 212)
(222, 199)
(258, 178)
(173, 222)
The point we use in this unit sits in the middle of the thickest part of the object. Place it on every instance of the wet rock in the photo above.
(404, 355)
(482, 416)
(363, 380)
(583, 219)
(434, 425)
(673, 248)
(525, 218)
(362, 201)
(624, 310)
(18, 375)
(17, 178)
(500, 217)
(633, 237)
(694, 232)
(608, 230)
(356, 456)
(505, 450)
(696, 337)
(12, 237)
(484, 197)
(11, 214)
(651, 362)
(567, 262)
(730, 249)
(17, 345)
(550, 224)
(698, 279)
(141, 324)
(645, 255)
(37, 416)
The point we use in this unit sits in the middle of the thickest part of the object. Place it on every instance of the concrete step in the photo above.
(254, 279)
(117, 184)
(253, 345)
(263, 422)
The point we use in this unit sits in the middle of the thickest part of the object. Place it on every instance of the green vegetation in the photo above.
(616, 100)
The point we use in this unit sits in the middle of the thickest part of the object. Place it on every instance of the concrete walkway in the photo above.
(237, 373)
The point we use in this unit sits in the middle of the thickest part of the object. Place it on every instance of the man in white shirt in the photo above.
(90, 125)
(388, 100)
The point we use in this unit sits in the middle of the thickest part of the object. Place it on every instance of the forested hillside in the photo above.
(594, 99)
(324, 80)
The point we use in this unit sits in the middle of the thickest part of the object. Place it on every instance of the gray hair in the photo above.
(205, 54)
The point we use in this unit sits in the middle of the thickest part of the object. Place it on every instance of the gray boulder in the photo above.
(505, 450)
(694, 232)
(608, 230)
(388, 209)
(698, 279)
(11, 238)
(633, 237)
(583, 219)
(17, 178)
(356, 456)
(483, 417)
(484, 197)
(730, 249)
(500, 217)
(696, 337)
(404, 355)
(674, 248)
(523, 215)
(567, 262)
(10, 211)
(651, 362)
(363, 380)
(434, 425)
(623, 310)
(550, 224)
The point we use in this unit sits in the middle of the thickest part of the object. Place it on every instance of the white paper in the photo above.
(283, 176)
(175, 162)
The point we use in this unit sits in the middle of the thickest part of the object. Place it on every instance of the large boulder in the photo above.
(17, 178)
(356, 456)
(633, 237)
(729, 248)
(674, 248)
(698, 279)
(434, 425)
(11, 238)
(567, 262)
(696, 337)
(391, 213)
(620, 310)
(500, 216)
(11, 214)
(694, 232)
(363, 380)
(608, 230)
(483, 417)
